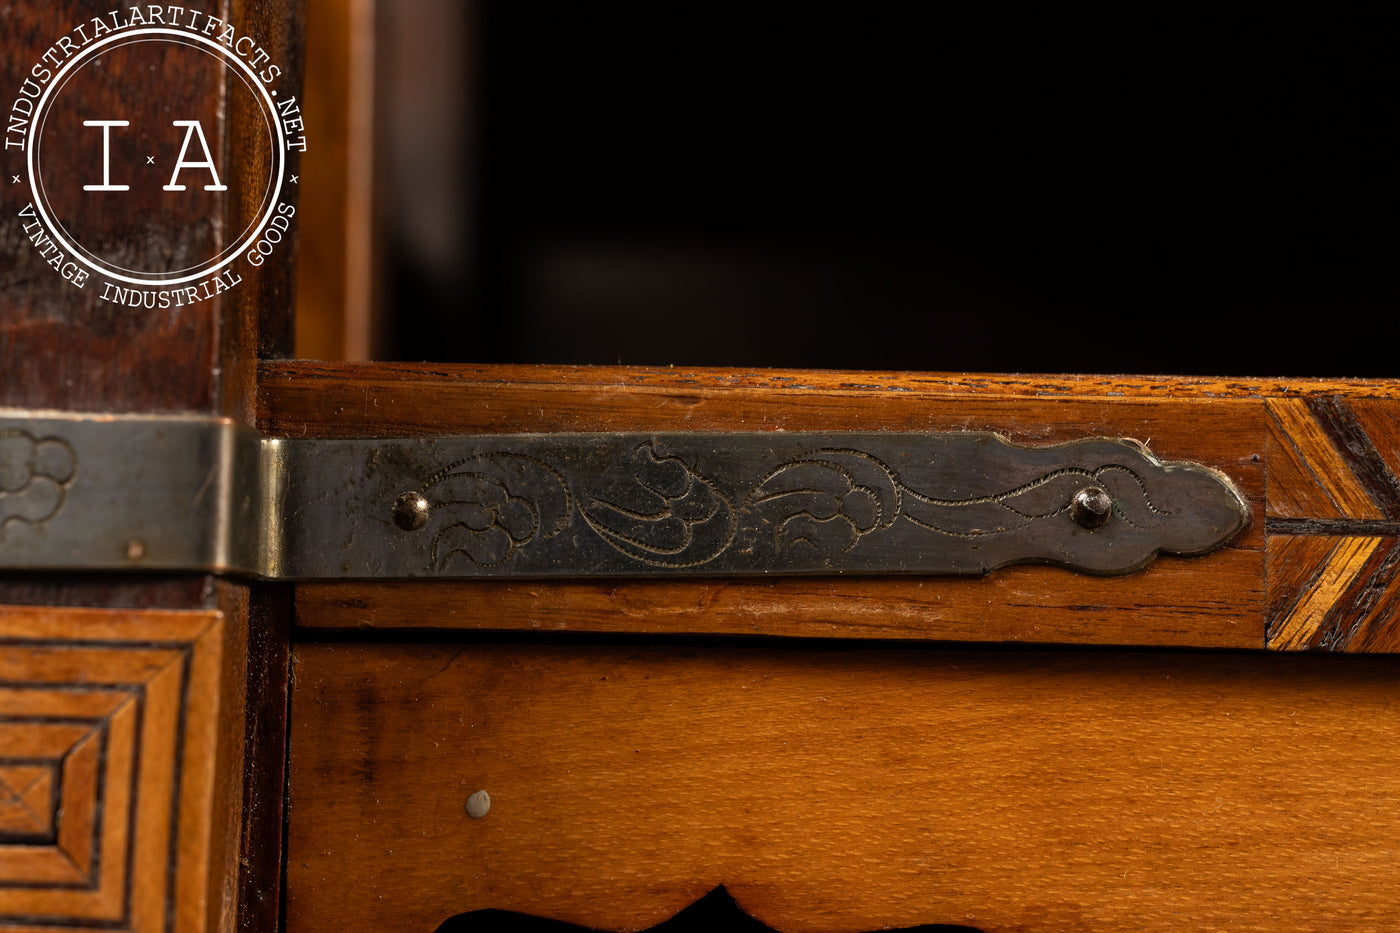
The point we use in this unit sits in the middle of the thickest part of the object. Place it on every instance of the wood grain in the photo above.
(1379, 419)
(344, 384)
(1216, 600)
(62, 347)
(130, 712)
(845, 788)
(1175, 602)
(1334, 593)
(1313, 458)
(257, 322)
(1334, 471)
(1310, 478)
(1331, 465)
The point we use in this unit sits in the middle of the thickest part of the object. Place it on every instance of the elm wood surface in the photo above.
(843, 787)
(135, 720)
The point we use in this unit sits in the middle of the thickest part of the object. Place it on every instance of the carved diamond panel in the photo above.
(108, 726)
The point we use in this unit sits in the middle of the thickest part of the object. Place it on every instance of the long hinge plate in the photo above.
(105, 492)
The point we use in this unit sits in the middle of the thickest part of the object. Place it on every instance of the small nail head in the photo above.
(135, 549)
(411, 511)
(1091, 508)
(478, 804)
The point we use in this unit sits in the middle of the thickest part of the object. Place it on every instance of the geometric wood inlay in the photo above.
(108, 737)
(1322, 464)
(26, 800)
(1334, 593)
(1333, 505)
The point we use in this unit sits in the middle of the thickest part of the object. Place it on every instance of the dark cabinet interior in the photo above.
(998, 189)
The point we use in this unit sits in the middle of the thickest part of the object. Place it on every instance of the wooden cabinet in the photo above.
(1206, 742)
(834, 751)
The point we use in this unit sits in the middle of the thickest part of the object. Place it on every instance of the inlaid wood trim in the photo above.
(117, 714)
(1334, 593)
(1324, 465)
(1333, 506)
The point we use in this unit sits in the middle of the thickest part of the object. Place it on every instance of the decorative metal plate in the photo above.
(629, 504)
(198, 494)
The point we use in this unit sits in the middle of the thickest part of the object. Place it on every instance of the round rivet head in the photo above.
(477, 804)
(411, 511)
(1091, 507)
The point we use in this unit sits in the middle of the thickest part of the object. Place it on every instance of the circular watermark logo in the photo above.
(158, 199)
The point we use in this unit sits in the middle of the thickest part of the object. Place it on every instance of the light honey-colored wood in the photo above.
(1304, 620)
(845, 788)
(132, 713)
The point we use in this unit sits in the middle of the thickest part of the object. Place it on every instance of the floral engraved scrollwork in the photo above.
(600, 505)
(1044, 497)
(35, 475)
(674, 516)
(491, 505)
(831, 499)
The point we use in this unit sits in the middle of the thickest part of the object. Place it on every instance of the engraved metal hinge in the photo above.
(113, 492)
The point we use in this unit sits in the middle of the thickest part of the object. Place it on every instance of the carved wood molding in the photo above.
(110, 768)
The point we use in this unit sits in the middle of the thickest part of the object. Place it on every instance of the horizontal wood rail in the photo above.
(1316, 462)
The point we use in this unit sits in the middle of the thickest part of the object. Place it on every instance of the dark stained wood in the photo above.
(157, 591)
(843, 789)
(1359, 454)
(1380, 420)
(259, 322)
(264, 776)
(62, 347)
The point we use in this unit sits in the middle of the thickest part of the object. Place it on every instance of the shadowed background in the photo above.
(1005, 189)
